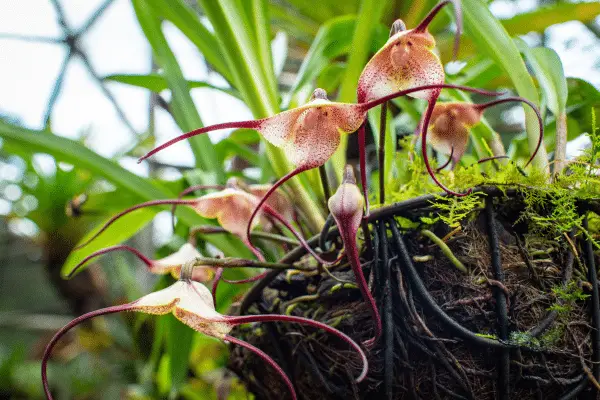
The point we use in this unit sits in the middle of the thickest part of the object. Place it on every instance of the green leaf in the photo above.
(120, 231)
(183, 107)
(331, 41)
(75, 153)
(491, 38)
(548, 70)
(158, 83)
(369, 15)
(188, 22)
(228, 19)
(179, 348)
(296, 25)
(541, 18)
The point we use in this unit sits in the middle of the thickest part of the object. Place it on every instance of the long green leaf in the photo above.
(541, 18)
(119, 232)
(236, 46)
(157, 83)
(491, 38)
(187, 21)
(331, 41)
(549, 72)
(184, 110)
(179, 346)
(368, 19)
(72, 152)
(548, 69)
(369, 15)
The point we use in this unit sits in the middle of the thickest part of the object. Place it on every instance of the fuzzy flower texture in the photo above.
(309, 135)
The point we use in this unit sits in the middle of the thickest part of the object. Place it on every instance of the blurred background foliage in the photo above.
(259, 57)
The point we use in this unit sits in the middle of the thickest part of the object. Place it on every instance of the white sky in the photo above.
(116, 45)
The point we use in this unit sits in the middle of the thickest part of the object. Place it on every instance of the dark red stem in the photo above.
(491, 158)
(254, 124)
(189, 190)
(64, 330)
(136, 207)
(130, 249)
(447, 162)
(273, 188)
(278, 217)
(253, 249)
(422, 27)
(266, 359)
(349, 240)
(425, 128)
(305, 321)
(374, 103)
(484, 106)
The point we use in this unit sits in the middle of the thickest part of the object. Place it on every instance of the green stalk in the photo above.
(368, 17)
(244, 59)
(491, 38)
(183, 108)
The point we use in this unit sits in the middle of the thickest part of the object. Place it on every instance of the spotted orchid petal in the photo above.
(231, 207)
(308, 134)
(406, 60)
(191, 303)
(346, 207)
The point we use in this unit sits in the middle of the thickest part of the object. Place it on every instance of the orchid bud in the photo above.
(191, 303)
(346, 207)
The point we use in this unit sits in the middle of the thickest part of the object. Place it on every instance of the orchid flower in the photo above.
(346, 207)
(232, 208)
(451, 123)
(405, 61)
(310, 134)
(279, 201)
(191, 303)
(170, 264)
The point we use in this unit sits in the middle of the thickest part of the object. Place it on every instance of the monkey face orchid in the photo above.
(309, 134)
(171, 264)
(233, 208)
(406, 61)
(191, 303)
(346, 207)
(451, 124)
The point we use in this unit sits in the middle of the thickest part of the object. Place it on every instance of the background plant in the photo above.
(327, 46)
